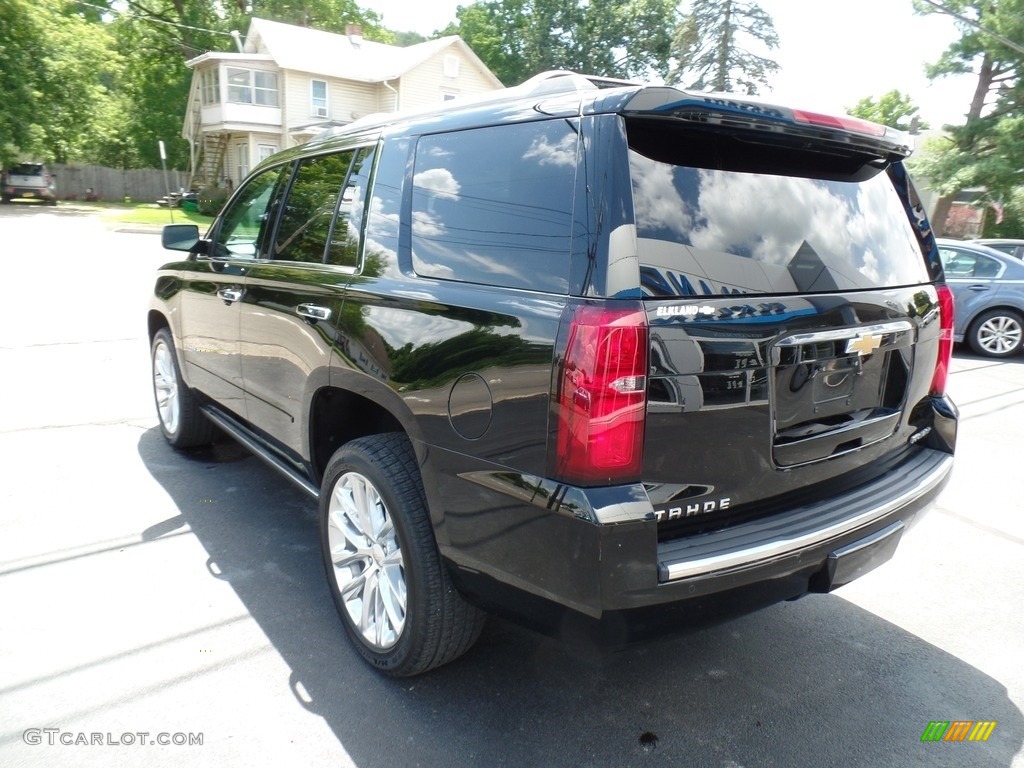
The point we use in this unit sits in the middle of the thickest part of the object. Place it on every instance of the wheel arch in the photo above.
(155, 321)
(996, 307)
(338, 415)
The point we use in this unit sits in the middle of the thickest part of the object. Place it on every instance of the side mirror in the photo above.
(182, 237)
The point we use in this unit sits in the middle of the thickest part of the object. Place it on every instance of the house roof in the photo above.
(341, 56)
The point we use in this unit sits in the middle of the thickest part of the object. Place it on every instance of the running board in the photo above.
(243, 436)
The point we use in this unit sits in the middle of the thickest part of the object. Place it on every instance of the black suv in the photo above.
(603, 359)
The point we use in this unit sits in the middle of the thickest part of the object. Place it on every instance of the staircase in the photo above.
(208, 152)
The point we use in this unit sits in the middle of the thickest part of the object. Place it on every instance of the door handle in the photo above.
(312, 312)
(230, 295)
(979, 287)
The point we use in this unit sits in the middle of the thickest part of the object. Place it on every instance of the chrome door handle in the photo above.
(230, 295)
(312, 312)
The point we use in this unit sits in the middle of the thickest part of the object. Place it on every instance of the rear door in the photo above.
(793, 323)
(293, 296)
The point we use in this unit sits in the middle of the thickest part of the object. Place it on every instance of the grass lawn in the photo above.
(148, 213)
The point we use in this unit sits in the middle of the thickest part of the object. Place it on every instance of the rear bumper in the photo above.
(618, 580)
(807, 528)
(32, 193)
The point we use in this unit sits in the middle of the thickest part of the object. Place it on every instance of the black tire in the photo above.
(187, 428)
(379, 475)
(997, 333)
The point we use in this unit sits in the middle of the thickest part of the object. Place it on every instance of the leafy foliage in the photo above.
(714, 47)
(521, 38)
(892, 109)
(56, 66)
(985, 151)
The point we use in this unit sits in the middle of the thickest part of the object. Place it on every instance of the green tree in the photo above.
(985, 151)
(892, 109)
(327, 15)
(20, 40)
(57, 67)
(714, 45)
(520, 38)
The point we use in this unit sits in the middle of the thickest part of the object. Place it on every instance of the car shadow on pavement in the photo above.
(817, 682)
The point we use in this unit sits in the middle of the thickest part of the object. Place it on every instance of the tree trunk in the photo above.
(938, 218)
(722, 76)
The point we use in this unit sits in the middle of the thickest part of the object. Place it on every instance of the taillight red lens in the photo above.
(603, 396)
(845, 122)
(946, 313)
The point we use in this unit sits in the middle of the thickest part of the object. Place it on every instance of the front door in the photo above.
(213, 289)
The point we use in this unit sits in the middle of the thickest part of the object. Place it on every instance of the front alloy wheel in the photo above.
(181, 420)
(165, 386)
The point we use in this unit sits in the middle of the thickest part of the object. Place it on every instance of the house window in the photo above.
(318, 98)
(263, 151)
(447, 95)
(242, 164)
(248, 86)
(209, 86)
(451, 66)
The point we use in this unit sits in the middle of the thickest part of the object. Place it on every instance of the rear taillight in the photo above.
(602, 396)
(941, 374)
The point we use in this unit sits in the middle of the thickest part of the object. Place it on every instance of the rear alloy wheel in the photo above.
(997, 333)
(386, 576)
(181, 421)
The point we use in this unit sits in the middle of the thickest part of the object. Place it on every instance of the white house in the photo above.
(290, 83)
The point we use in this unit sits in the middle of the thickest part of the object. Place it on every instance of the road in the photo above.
(181, 596)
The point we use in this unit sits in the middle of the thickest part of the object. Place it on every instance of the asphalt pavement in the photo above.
(160, 608)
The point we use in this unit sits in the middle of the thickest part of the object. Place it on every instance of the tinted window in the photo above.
(708, 231)
(305, 224)
(383, 214)
(344, 250)
(244, 226)
(494, 205)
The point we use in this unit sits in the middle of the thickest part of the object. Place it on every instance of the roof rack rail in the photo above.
(560, 80)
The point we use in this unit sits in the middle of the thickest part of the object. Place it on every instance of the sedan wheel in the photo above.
(998, 333)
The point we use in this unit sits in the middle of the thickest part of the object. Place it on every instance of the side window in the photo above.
(243, 230)
(986, 267)
(494, 205)
(956, 263)
(306, 218)
(345, 236)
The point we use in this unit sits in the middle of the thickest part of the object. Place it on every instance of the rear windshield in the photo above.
(747, 219)
(27, 169)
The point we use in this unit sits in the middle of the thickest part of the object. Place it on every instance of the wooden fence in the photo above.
(142, 185)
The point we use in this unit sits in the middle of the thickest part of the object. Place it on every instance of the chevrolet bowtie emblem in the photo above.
(864, 344)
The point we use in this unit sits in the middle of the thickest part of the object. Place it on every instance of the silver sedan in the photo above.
(988, 292)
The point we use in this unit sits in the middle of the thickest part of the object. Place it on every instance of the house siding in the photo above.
(424, 85)
(343, 98)
(225, 127)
